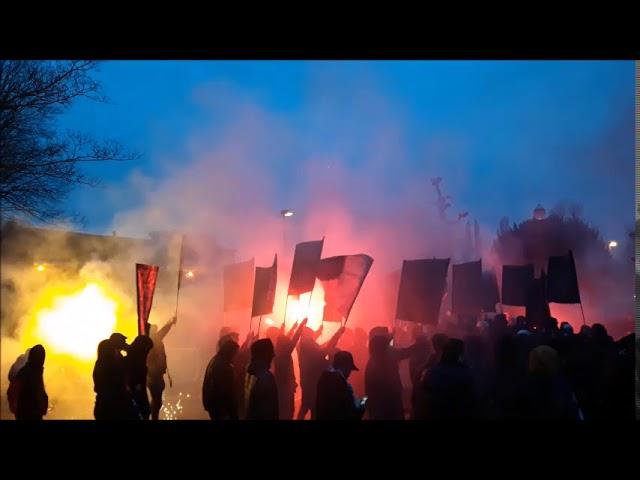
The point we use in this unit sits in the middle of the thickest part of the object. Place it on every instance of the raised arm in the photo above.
(296, 336)
(167, 326)
(331, 344)
(293, 328)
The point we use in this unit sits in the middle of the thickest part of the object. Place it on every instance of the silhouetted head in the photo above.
(262, 350)
(598, 331)
(119, 342)
(453, 352)
(36, 356)
(343, 361)
(141, 346)
(585, 331)
(106, 349)
(439, 340)
(379, 345)
(543, 362)
(228, 350)
(566, 328)
(229, 337)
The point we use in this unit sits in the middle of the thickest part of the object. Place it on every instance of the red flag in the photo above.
(342, 277)
(238, 280)
(422, 285)
(264, 289)
(517, 281)
(562, 281)
(305, 267)
(146, 278)
(466, 297)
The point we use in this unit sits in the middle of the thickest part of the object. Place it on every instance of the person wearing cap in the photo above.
(335, 400)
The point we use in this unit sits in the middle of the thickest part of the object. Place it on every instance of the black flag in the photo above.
(264, 289)
(490, 292)
(516, 284)
(342, 277)
(562, 281)
(467, 288)
(305, 267)
(422, 284)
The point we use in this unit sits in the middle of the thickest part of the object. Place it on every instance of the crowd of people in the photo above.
(489, 370)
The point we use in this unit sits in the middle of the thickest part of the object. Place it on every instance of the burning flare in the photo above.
(76, 323)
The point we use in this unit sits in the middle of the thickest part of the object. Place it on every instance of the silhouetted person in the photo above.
(361, 357)
(20, 362)
(543, 394)
(157, 366)
(438, 341)
(136, 371)
(336, 400)
(219, 393)
(113, 400)
(31, 399)
(417, 364)
(383, 386)
(313, 360)
(448, 387)
(240, 364)
(261, 389)
(283, 370)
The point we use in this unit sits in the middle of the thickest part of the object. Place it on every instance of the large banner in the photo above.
(342, 277)
(517, 281)
(264, 289)
(467, 288)
(305, 267)
(146, 279)
(562, 281)
(422, 285)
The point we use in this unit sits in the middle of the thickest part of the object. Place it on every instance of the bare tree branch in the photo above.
(39, 166)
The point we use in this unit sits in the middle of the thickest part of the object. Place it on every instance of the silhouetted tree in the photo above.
(39, 165)
(533, 241)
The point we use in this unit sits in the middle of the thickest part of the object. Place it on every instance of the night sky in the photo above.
(505, 136)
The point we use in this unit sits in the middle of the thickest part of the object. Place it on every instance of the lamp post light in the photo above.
(286, 213)
(612, 245)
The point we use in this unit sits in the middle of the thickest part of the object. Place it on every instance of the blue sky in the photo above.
(503, 135)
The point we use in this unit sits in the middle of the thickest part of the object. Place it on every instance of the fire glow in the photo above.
(308, 305)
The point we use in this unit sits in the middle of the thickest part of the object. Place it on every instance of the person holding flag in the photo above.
(157, 366)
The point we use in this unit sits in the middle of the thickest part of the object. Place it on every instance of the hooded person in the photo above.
(283, 370)
(313, 359)
(448, 387)
(261, 391)
(27, 395)
(20, 362)
(336, 400)
(136, 371)
(113, 400)
(219, 393)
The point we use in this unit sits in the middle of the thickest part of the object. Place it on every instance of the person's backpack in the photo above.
(13, 394)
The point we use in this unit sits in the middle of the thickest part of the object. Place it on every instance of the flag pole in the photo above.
(309, 305)
(250, 324)
(259, 325)
(286, 303)
(179, 275)
(584, 322)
